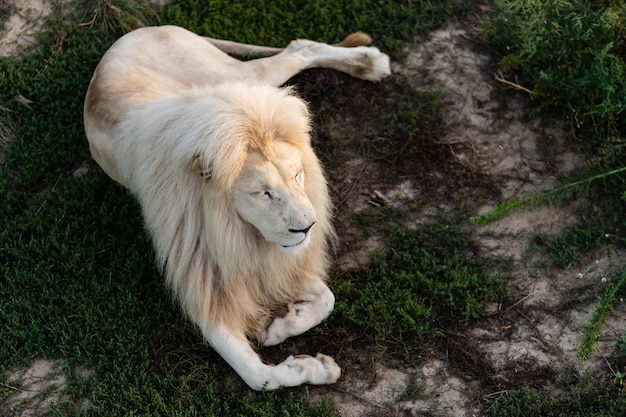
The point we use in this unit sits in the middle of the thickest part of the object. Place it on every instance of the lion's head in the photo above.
(269, 194)
(260, 164)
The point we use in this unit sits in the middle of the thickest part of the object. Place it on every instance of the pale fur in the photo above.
(231, 191)
(193, 222)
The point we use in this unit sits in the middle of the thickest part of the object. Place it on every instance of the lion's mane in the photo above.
(219, 266)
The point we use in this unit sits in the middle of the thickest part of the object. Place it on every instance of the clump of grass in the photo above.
(426, 273)
(571, 54)
(583, 399)
(111, 16)
(591, 335)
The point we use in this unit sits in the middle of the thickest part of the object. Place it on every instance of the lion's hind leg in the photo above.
(360, 61)
(311, 307)
(295, 370)
(365, 62)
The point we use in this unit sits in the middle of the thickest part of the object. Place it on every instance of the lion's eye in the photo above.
(266, 194)
(298, 177)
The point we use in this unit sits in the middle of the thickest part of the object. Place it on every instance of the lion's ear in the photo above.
(199, 167)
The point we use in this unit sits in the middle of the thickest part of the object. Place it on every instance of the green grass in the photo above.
(581, 398)
(274, 23)
(591, 335)
(571, 54)
(425, 275)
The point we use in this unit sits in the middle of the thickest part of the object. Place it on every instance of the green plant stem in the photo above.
(589, 338)
(504, 207)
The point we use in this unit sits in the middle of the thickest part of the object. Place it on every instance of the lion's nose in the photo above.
(305, 231)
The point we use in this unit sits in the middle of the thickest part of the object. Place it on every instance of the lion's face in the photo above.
(270, 195)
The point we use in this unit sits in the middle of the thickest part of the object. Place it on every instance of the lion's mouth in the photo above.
(290, 246)
(293, 246)
(296, 247)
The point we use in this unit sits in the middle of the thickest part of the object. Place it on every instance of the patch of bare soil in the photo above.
(23, 19)
(37, 388)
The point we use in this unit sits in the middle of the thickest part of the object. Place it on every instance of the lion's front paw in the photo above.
(313, 306)
(317, 370)
(299, 319)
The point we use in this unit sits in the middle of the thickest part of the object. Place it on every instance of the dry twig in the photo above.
(500, 78)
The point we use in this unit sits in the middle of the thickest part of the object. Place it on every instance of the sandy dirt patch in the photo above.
(25, 19)
(40, 387)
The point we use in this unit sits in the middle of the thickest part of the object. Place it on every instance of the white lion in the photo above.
(231, 191)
